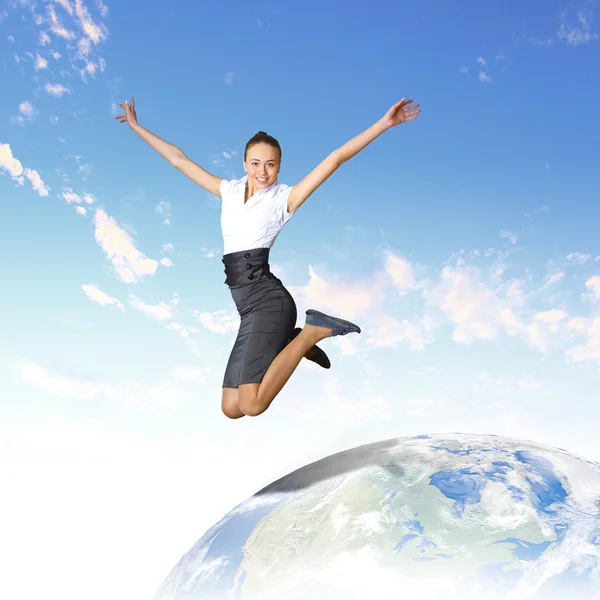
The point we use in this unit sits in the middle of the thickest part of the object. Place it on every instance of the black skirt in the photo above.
(268, 316)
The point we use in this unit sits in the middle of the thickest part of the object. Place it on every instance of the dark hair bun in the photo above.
(261, 133)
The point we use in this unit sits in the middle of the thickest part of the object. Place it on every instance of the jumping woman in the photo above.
(254, 209)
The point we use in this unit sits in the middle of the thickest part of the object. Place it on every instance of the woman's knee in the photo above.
(230, 403)
(248, 400)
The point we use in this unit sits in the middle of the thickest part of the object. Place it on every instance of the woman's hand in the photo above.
(129, 115)
(401, 111)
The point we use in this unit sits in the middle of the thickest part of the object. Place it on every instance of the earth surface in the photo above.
(432, 516)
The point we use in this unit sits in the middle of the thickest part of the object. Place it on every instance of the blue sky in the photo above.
(465, 244)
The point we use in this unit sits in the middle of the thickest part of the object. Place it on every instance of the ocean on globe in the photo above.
(456, 516)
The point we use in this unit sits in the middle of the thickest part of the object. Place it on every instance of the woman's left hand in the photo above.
(401, 111)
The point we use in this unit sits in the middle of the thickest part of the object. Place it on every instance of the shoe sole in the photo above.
(333, 320)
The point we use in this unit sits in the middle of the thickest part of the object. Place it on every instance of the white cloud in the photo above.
(27, 113)
(484, 77)
(168, 248)
(593, 283)
(552, 279)
(481, 60)
(511, 237)
(179, 328)
(15, 169)
(479, 306)
(347, 297)
(80, 210)
(102, 8)
(474, 309)
(400, 272)
(44, 39)
(129, 263)
(162, 311)
(578, 30)
(40, 62)
(590, 349)
(70, 197)
(385, 331)
(93, 292)
(229, 78)
(578, 258)
(56, 26)
(163, 393)
(464, 70)
(166, 262)
(66, 4)
(164, 209)
(8, 162)
(53, 120)
(210, 252)
(221, 321)
(94, 32)
(56, 89)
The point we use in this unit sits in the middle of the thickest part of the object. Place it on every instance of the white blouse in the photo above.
(256, 223)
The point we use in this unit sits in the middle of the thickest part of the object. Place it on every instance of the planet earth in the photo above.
(425, 517)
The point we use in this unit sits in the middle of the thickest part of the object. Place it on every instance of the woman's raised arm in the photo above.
(173, 154)
(400, 112)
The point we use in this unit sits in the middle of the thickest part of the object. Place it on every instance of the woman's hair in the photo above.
(262, 138)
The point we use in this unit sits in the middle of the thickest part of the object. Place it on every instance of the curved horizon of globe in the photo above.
(469, 516)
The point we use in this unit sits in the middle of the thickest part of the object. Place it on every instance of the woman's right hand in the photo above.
(129, 115)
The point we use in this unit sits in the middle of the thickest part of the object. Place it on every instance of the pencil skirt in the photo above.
(267, 312)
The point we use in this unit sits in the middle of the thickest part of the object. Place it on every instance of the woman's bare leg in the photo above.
(230, 403)
(255, 398)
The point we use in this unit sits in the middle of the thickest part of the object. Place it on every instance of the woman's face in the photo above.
(262, 165)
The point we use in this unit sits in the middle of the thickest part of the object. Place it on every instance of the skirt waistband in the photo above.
(244, 267)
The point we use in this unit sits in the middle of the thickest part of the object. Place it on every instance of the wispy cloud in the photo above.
(593, 284)
(164, 393)
(510, 236)
(15, 169)
(95, 294)
(56, 89)
(71, 23)
(130, 265)
(229, 78)
(210, 252)
(484, 77)
(40, 62)
(163, 208)
(552, 279)
(589, 349)
(221, 321)
(27, 113)
(578, 258)
(56, 26)
(400, 272)
(163, 311)
(70, 197)
(576, 29)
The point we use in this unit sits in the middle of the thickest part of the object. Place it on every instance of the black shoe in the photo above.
(318, 356)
